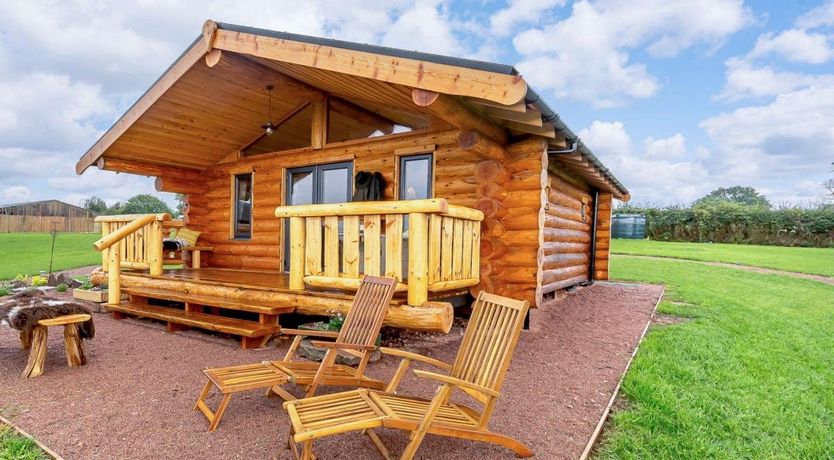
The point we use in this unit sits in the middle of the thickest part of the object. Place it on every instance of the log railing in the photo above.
(130, 241)
(333, 245)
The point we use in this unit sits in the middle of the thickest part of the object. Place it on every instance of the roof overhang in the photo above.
(480, 90)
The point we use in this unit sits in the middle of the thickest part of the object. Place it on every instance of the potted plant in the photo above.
(89, 292)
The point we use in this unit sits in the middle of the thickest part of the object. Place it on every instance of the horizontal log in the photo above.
(551, 221)
(493, 248)
(566, 213)
(561, 185)
(525, 180)
(556, 285)
(431, 316)
(364, 208)
(521, 238)
(564, 273)
(574, 236)
(451, 285)
(491, 208)
(342, 283)
(473, 141)
(560, 198)
(524, 199)
(490, 190)
(492, 171)
(560, 260)
(164, 184)
(554, 247)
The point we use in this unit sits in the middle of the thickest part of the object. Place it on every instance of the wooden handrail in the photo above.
(333, 245)
(129, 217)
(112, 238)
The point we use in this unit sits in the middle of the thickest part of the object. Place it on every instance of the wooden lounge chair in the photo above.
(357, 338)
(479, 369)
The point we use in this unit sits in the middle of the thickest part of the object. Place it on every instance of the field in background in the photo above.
(816, 261)
(748, 374)
(28, 253)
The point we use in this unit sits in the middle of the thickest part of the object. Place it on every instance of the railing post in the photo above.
(155, 258)
(297, 249)
(418, 267)
(114, 287)
(105, 230)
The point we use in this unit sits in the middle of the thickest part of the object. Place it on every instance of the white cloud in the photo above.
(745, 80)
(820, 16)
(670, 147)
(17, 193)
(789, 136)
(503, 21)
(586, 56)
(658, 173)
(796, 45)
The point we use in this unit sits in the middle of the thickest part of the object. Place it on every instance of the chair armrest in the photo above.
(343, 346)
(324, 334)
(456, 382)
(415, 357)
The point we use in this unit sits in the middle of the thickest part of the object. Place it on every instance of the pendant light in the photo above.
(268, 127)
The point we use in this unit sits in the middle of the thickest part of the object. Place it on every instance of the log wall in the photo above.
(209, 212)
(567, 229)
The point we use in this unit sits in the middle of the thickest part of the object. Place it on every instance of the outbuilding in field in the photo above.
(45, 216)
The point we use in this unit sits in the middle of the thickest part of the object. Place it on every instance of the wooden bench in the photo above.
(35, 339)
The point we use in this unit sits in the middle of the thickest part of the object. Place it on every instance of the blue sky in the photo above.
(677, 97)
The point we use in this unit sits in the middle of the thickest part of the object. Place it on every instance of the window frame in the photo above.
(412, 156)
(233, 230)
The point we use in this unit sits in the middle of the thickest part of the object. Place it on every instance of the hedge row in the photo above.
(732, 223)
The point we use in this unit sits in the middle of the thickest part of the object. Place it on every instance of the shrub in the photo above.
(734, 223)
(336, 321)
(5, 289)
(61, 287)
(38, 281)
(86, 284)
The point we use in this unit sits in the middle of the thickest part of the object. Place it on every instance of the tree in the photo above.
(829, 184)
(745, 196)
(181, 203)
(95, 204)
(144, 204)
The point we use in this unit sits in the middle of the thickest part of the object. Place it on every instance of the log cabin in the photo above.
(309, 162)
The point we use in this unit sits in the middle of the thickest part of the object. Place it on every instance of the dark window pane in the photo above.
(243, 206)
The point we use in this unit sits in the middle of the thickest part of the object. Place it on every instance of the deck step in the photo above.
(178, 296)
(207, 321)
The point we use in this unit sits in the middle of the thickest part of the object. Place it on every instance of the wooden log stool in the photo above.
(35, 339)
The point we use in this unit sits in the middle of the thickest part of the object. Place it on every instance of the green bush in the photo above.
(726, 222)
(5, 289)
(61, 287)
(86, 284)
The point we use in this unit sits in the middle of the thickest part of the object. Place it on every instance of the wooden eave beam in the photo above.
(442, 78)
(457, 114)
(577, 163)
(191, 56)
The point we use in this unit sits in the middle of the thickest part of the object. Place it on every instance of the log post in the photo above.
(37, 353)
(297, 250)
(114, 265)
(105, 230)
(155, 258)
(73, 346)
(26, 338)
(418, 268)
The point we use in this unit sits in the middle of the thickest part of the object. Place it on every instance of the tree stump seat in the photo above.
(35, 339)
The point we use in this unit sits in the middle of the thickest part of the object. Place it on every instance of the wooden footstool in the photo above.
(35, 339)
(231, 380)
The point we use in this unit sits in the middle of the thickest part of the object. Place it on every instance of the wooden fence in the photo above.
(26, 224)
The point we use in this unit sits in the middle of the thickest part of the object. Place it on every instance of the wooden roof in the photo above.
(211, 101)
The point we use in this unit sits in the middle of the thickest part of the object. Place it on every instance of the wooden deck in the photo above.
(205, 298)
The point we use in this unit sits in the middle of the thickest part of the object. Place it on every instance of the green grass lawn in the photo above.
(16, 447)
(28, 253)
(816, 261)
(750, 376)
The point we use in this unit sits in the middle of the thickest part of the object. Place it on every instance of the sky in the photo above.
(677, 98)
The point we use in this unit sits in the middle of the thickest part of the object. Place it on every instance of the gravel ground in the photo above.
(134, 398)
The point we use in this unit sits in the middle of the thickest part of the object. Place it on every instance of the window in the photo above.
(330, 183)
(416, 173)
(242, 216)
(291, 133)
